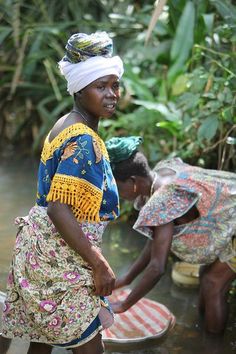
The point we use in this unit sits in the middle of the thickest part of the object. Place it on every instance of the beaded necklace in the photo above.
(84, 118)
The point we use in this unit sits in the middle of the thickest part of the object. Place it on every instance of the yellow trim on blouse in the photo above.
(85, 204)
(69, 132)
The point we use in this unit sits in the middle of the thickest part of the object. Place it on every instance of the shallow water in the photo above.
(121, 246)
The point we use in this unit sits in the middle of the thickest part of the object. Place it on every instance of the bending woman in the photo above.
(184, 209)
(59, 277)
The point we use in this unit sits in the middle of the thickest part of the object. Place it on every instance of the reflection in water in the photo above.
(121, 247)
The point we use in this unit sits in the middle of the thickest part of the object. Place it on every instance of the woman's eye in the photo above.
(116, 86)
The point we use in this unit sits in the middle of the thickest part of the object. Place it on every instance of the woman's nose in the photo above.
(110, 92)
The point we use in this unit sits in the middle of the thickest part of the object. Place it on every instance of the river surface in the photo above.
(121, 247)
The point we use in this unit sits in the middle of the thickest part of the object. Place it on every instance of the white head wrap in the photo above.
(81, 74)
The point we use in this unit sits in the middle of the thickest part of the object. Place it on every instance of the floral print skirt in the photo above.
(50, 287)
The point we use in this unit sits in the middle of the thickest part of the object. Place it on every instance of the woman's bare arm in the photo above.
(136, 268)
(160, 249)
(70, 230)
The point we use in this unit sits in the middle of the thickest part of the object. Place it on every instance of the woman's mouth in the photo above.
(110, 107)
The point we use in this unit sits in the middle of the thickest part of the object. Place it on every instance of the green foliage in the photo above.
(178, 91)
(191, 108)
(182, 43)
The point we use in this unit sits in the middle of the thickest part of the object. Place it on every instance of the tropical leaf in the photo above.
(208, 128)
(172, 127)
(4, 32)
(183, 40)
(161, 108)
(225, 9)
(209, 22)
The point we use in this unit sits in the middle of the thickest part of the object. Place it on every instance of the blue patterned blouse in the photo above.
(75, 169)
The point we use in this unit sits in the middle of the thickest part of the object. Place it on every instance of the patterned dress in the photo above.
(50, 287)
(209, 236)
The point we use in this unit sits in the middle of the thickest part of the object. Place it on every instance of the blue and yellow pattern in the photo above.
(75, 170)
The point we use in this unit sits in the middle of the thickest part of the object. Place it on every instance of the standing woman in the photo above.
(59, 277)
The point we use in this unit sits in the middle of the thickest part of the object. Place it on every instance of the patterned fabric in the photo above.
(208, 237)
(88, 335)
(50, 287)
(232, 261)
(75, 169)
(88, 58)
(81, 46)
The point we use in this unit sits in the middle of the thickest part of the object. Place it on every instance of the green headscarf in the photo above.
(120, 149)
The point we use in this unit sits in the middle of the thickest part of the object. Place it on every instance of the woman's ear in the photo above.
(133, 179)
(77, 95)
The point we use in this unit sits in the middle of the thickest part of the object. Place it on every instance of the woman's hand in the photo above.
(104, 279)
(71, 231)
(118, 307)
(122, 281)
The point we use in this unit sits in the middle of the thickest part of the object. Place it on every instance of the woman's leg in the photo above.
(36, 348)
(201, 301)
(215, 283)
(95, 346)
(4, 344)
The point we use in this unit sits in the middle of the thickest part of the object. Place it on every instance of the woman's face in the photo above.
(99, 99)
(133, 187)
(126, 189)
